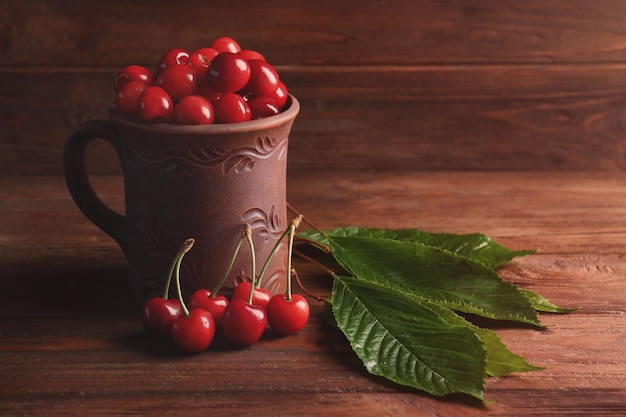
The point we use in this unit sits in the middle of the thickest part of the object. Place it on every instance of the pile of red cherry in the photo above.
(218, 84)
(242, 320)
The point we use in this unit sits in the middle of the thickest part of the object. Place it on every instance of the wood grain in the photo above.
(496, 116)
(425, 85)
(422, 118)
(406, 32)
(71, 342)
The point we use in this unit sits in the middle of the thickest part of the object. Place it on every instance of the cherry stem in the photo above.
(168, 282)
(246, 230)
(303, 288)
(312, 242)
(316, 263)
(311, 225)
(292, 225)
(187, 244)
(292, 231)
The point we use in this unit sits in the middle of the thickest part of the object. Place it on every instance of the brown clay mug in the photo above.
(206, 182)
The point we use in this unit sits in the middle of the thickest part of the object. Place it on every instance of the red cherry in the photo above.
(193, 110)
(178, 80)
(263, 78)
(174, 56)
(243, 324)
(159, 313)
(133, 73)
(260, 296)
(262, 107)
(209, 93)
(280, 95)
(287, 317)
(249, 54)
(231, 108)
(155, 104)
(228, 72)
(215, 305)
(193, 333)
(201, 60)
(225, 44)
(128, 97)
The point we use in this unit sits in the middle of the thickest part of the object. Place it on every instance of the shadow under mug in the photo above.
(206, 182)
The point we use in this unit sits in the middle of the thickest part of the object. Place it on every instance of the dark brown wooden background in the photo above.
(542, 83)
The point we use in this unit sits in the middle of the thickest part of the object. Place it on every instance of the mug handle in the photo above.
(108, 220)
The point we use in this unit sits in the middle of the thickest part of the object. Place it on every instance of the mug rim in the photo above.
(292, 108)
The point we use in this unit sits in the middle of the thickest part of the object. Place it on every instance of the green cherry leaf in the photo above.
(406, 341)
(475, 246)
(437, 275)
(399, 308)
(540, 303)
(500, 360)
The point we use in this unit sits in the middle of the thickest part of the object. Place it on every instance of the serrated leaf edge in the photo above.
(479, 393)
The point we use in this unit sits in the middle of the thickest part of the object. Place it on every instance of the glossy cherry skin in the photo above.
(262, 107)
(201, 298)
(280, 96)
(209, 93)
(225, 44)
(263, 78)
(249, 54)
(231, 108)
(174, 56)
(155, 104)
(178, 80)
(133, 73)
(243, 324)
(159, 313)
(229, 73)
(287, 317)
(201, 60)
(193, 333)
(260, 297)
(193, 110)
(128, 97)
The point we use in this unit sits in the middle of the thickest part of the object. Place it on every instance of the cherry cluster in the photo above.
(242, 320)
(217, 84)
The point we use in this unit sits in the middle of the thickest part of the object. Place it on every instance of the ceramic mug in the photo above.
(205, 182)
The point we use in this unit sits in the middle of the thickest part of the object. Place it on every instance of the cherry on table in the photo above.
(243, 324)
(260, 296)
(287, 316)
(194, 332)
(159, 313)
(215, 305)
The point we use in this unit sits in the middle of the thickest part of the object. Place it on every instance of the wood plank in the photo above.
(72, 344)
(409, 118)
(116, 33)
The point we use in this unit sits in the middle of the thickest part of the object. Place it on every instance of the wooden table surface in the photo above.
(71, 341)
